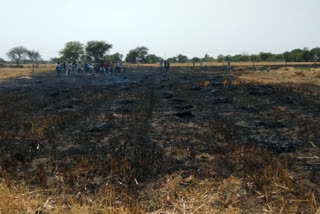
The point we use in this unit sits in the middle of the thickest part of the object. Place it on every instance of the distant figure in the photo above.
(58, 68)
(168, 65)
(74, 67)
(204, 68)
(68, 68)
(165, 65)
(123, 67)
(161, 65)
(64, 67)
(229, 65)
(79, 68)
(106, 66)
(111, 67)
(85, 67)
(117, 67)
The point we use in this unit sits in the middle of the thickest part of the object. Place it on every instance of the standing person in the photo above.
(111, 67)
(123, 67)
(117, 67)
(58, 68)
(64, 66)
(168, 65)
(165, 65)
(229, 65)
(106, 66)
(74, 67)
(67, 69)
(205, 68)
(161, 65)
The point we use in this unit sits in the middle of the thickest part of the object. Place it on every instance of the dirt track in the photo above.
(157, 123)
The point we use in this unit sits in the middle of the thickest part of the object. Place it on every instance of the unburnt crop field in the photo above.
(149, 142)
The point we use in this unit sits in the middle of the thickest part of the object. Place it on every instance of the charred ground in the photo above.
(144, 141)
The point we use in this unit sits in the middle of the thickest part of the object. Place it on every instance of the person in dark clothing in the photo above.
(165, 65)
(168, 66)
(64, 67)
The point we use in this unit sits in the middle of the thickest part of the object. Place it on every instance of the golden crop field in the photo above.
(26, 71)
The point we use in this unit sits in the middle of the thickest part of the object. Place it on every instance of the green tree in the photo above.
(286, 57)
(315, 53)
(132, 56)
(196, 59)
(182, 59)
(296, 55)
(173, 59)
(96, 50)
(137, 55)
(2, 60)
(221, 58)
(278, 57)
(72, 51)
(240, 58)
(141, 53)
(228, 58)
(56, 59)
(254, 58)
(152, 58)
(17, 54)
(207, 58)
(266, 57)
(116, 57)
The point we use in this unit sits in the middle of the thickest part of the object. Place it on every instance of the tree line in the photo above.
(97, 52)
(21, 54)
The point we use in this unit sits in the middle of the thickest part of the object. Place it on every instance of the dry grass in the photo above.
(282, 75)
(260, 183)
(6, 73)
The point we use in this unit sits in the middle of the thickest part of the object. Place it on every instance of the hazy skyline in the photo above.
(167, 27)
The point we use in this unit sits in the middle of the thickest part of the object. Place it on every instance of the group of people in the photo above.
(164, 65)
(107, 67)
(114, 67)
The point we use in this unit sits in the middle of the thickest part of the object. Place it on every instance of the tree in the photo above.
(296, 55)
(315, 53)
(152, 59)
(137, 55)
(207, 58)
(286, 57)
(182, 59)
(141, 53)
(228, 58)
(132, 56)
(96, 50)
(221, 58)
(2, 60)
(173, 59)
(17, 54)
(56, 59)
(266, 57)
(254, 58)
(34, 57)
(72, 51)
(196, 59)
(116, 57)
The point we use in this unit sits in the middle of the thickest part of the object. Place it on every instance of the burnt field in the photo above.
(144, 141)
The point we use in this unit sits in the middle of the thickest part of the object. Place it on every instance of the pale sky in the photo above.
(166, 27)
